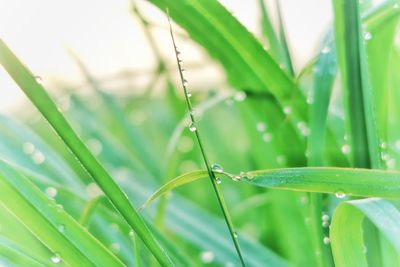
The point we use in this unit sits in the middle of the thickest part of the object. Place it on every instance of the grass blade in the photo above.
(347, 230)
(358, 95)
(68, 241)
(340, 181)
(193, 127)
(46, 106)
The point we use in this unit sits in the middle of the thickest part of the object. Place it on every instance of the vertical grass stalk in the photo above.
(193, 127)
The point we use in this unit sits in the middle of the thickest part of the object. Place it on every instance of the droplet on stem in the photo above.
(192, 127)
(217, 168)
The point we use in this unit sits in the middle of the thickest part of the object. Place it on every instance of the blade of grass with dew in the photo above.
(347, 229)
(382, 27)
(358, 96)
(247, 64)
(54, 227)
(185, 220)
(341, 181)
(46, 106)
(324, 75)
(193, 127)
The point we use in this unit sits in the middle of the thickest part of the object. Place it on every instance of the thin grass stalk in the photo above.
(194, 128)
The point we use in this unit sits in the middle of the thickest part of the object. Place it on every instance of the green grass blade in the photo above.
(340, 181)
(46, 106)
(54, 227)
(269, 33)
(347, 230)
(354, 72)
(283, 40)
(247, 64)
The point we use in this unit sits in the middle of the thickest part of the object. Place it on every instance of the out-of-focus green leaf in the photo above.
(49, 110)
(347, 235)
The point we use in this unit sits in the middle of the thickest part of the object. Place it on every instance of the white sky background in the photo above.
(106, 36)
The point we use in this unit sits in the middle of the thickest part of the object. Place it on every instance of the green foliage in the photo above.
(288, 145)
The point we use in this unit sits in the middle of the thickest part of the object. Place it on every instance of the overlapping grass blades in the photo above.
(49, 110)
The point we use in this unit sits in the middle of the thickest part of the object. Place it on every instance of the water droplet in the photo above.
(61, 228)
(55, 258)
(115, 247)
(94, 146)
(39, 79)
(326, 240)
(383, 145)
(235, 235)
(131, 233)
(192, 127)
(310, 100)
(249, 175)
(189, 94)
(340, 194)
(346, 149)
(325, 217)
(229, 264)
(207, 256)
(240, 96)
(261, 126)
(367, 36)
(326, 50)
(236, 178)
(28, 148)
(325, 224)
(218, 180)
(287, 110)
(38, 157)
(185, 82)
(217, 168)
(267, 137)
(93, 190)
(51, 191)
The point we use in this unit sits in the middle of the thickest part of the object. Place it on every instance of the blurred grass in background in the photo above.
(339, 110)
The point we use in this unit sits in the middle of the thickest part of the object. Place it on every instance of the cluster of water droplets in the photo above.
(36, 155)
(216, 168)
(303, 128)
(262, 128)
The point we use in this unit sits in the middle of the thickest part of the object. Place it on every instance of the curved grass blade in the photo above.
(346, 233)
(247, 64)
(55, 228)
(348, 181)
(47, 107)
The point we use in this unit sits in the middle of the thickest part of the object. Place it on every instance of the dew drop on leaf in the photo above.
(192, 127)
(217, 168)
(340, 194)
(55, 258)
